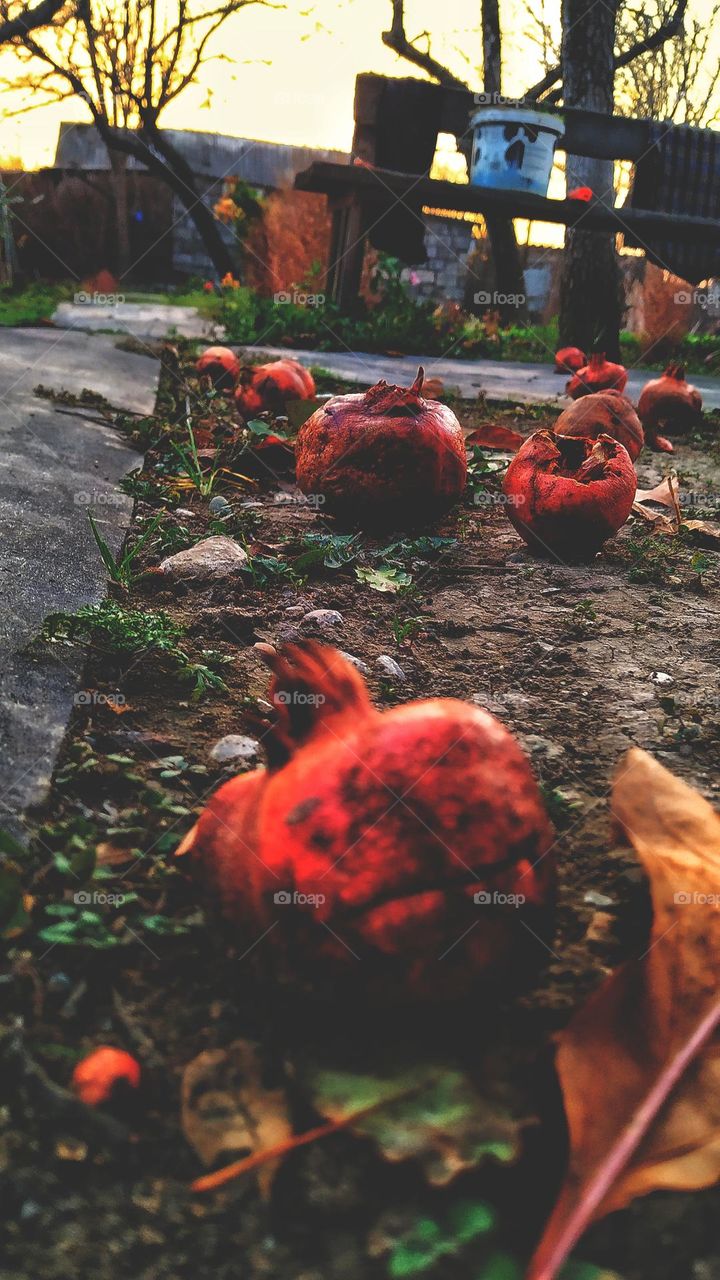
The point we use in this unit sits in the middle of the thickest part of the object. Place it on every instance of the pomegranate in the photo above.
(396, 855)
(270, 386)
(383, 455)
(607, 413)
(670, 402)
(95, 1077)
(569, 360)
(567, 495)
(598, 374)
(221, 366)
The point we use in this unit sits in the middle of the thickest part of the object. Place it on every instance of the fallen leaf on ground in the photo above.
(432, 1114)
(640, 1081)
(492, 435)
(706, 532)
(659, 522)
(226, 1109)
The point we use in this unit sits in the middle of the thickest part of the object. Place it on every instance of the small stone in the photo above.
(236, 747)
(661, 678)
(542, 746)
(219, 506)
(358, 663)
(212, 558)
(184, 511)
(387, 666)
(594, 899)
(295, 610)
(324, 617)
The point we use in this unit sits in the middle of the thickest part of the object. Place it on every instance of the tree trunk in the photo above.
(591, 298)
(118, 167)
(508, 272)
(206, 223)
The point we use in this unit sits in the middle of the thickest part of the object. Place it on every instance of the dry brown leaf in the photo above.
(492, 435)
(639, 1074)
(662, 494)
(658, 522)
(226, 1110)
(707, 532)
(108, 854)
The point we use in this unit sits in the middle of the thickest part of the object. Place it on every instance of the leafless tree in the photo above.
(127, 62)
(21, 19)
(679, 79)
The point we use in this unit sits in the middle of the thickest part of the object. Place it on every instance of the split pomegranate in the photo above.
(382, 455)
(396, 855)
(221, 366)
(567, 495)
(270, 386)
(598, 374)
(95, 1077)
(607, 413)
(668, 402)
(569, 360)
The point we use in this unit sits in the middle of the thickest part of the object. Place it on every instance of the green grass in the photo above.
(32, 304)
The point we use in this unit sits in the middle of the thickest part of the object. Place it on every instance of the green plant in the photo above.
(204, 481)
(405, 629)
(132, 635)
(120, 569)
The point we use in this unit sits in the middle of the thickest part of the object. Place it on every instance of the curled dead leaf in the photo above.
(493, 435)
(640, 1078)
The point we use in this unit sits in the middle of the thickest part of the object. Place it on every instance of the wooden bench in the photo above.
(363, 194)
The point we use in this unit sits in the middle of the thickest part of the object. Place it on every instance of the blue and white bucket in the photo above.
(513, 148)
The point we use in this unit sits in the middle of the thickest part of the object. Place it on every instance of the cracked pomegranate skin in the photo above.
(270, 386)
(383, 455)
(567, 496)
(396, 819)
(603, 413)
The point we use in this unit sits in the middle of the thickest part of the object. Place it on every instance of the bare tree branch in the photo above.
(29, 20)
(397, 40)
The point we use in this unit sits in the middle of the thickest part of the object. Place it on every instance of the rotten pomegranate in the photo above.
(383, 455)
(221, 366)
(607, 413)
(598, 374)
(669, 402)
(569, 360)
(396, 855)
(270, 386)
(97, 1076)
(567, 495)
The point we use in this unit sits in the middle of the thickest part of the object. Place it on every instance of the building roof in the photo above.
(213, 155)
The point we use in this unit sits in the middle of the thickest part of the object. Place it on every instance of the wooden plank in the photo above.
(379, 188)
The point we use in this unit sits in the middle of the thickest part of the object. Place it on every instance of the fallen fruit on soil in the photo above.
(221, 366)
(567, 495)
(270, 386)
(396, 854)
(569, 360)
(598, 374)
(96, 1076)
(382, 455)
(670, 402)
(607, 413)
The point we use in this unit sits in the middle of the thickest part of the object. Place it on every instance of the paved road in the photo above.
(53, 466)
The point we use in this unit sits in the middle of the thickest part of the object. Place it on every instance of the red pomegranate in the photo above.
(221, 366)
(398, 854)
(270, 386)
(607, 413)
(569, 360)
(383, 455)
(669, 402)
(567, 495)
(598, 374)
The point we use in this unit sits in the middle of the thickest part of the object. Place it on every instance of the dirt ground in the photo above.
(581, 663)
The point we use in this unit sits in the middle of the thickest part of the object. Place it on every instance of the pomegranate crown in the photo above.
(313, 688)
(386, 399)
(676, 371)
